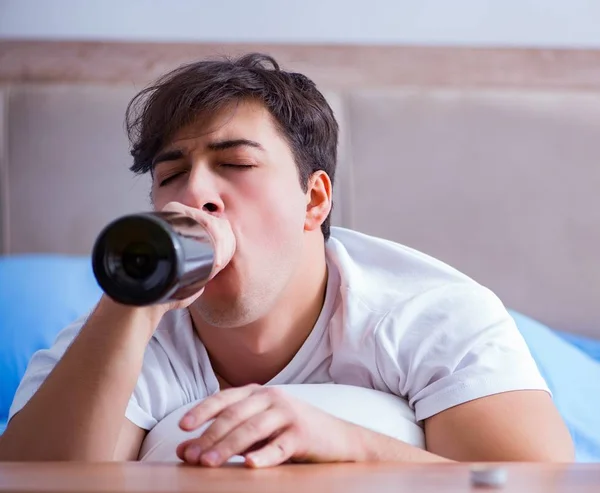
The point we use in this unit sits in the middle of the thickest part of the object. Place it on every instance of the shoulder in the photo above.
(383, 275)
(446, 314)
(437, 336)
(400, 299)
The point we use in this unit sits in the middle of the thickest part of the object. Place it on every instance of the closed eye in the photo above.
(240, 166)
(169, 179)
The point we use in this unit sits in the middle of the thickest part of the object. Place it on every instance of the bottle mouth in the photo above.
(139, 260)
(135, 260)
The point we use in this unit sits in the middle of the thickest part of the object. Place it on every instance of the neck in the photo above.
(259, 351)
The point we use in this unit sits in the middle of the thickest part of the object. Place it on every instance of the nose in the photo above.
(202, 192)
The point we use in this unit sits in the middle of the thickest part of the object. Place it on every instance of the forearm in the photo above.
(78, 411)
(376, 447)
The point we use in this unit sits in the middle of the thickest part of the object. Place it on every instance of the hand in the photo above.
(266, 426)
(218, 228)
(224, 243)
(223, 240)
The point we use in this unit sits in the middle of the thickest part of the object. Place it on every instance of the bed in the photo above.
(498, 180)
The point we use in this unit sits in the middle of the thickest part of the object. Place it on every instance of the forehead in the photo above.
(239, 120)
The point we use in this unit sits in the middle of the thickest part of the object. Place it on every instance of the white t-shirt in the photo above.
(394, 320)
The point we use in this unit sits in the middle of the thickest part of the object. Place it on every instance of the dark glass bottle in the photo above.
(152, 257)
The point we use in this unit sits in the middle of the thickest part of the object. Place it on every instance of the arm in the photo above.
(78, 412)
(519, 426)
(472, 380)
(129, 442)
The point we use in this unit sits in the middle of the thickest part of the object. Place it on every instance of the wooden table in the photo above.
(348, 478)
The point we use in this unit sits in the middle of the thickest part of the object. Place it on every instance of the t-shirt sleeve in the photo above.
(451, 345)
(43, 362)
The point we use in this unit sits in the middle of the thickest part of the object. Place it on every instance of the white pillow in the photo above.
(378, 411)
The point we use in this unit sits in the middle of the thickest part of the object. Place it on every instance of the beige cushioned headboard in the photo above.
(502, 185)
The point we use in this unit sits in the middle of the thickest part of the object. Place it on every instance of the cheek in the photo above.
(174, 192)
(159, 198)
(270, 212)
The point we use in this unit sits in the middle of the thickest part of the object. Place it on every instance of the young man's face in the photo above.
(239, 167)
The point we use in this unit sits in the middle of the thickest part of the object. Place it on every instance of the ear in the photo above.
(318, 200)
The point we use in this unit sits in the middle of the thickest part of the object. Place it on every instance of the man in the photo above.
(249, 151)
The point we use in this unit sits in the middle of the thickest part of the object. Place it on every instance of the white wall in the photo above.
(551, 23)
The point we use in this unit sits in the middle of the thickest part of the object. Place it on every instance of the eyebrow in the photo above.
(171, 155)
(221, 145)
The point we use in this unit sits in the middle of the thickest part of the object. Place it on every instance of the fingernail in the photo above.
(187, 421)
(210, 458)
(192, 453)
(254, 460)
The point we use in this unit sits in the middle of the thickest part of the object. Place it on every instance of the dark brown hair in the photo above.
(180, 97)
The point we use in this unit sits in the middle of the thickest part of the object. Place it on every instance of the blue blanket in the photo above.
(40, 294)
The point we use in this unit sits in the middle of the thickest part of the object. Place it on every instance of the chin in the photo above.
(223, 314)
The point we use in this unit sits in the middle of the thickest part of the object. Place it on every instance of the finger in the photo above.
(172, 207)
(229, 419)
(259, 427)
(175, 207)
(276, 452)
(219, 230)
(199, 216)
(213, 405)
